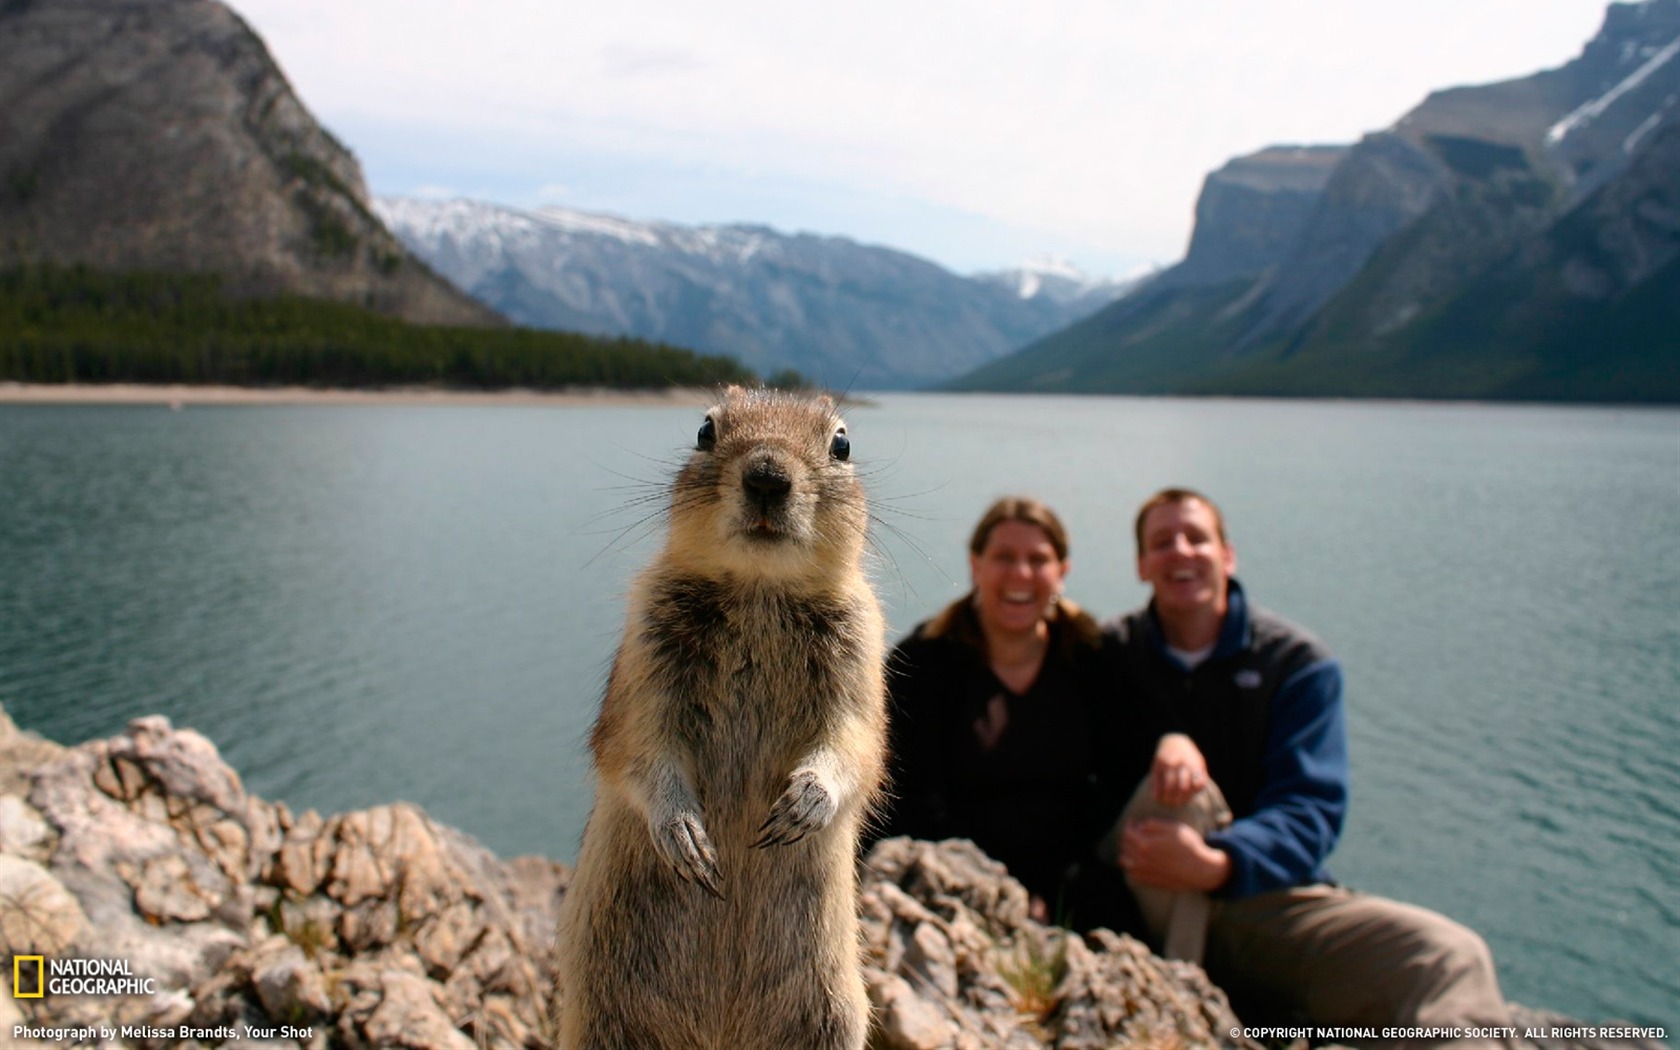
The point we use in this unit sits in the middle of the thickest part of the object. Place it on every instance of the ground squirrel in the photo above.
(739, 746)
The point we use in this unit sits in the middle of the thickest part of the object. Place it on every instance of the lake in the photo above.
(366, 604)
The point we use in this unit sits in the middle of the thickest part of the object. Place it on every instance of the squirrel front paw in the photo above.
(806, 806)
(682, 841)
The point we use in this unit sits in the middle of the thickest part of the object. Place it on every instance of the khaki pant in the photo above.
(1324, 954)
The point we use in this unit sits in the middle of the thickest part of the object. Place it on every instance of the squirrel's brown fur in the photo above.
(739, 747)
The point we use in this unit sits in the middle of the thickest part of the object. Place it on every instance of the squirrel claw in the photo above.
(685, 846)
(806, 806)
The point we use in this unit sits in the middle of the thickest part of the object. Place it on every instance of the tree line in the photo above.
(71, 324)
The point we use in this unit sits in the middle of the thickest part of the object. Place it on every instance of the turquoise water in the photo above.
(364, 604)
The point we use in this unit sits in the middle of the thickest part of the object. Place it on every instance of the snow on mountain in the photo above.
(605, 225)
(1624, 88)
(1513, 239)
(1595, 108)
(1057, 280)
(840, 312)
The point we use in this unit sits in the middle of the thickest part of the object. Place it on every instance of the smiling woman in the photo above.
(995, 702)
(1018, 576)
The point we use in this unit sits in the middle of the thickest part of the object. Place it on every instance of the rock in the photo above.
(245, 915)
(392, 847)
(382, 928)
(444, 938)
(1522, 229)
(1117, 993)
(956, 875)
(38, 916)
(310, 922)
(133, 817)
(162, 136)
(22, 831)
(929, 956)
(166, 892)
(1252, 211)
(290, 987)
(409, 1016)
(302, 864)
(907, 1021)
(957, 932)
(535, 886)
(21, 751)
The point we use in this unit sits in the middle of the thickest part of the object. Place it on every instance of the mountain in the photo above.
(839, 312)
(1052, 279)
(1511, 240)
(160, 135)
(1253, 210)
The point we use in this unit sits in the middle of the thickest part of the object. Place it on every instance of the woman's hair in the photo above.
(958, 619)
(1024, 509)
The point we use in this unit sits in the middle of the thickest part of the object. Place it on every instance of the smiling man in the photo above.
(1226, 839)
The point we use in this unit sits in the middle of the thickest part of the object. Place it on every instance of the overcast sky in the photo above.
(974, 133)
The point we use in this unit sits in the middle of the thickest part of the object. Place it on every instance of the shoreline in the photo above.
(181, 395)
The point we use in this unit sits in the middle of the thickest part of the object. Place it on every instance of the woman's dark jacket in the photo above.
(1031, 778)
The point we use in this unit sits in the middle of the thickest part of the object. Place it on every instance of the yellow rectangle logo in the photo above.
(29, 981)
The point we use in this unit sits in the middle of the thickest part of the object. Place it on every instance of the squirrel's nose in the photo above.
(767, 482)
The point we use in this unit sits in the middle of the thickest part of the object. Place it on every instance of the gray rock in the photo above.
(38, 916)
(1252, 211)
(166, 891)
(22, 831)
(381, 928)
(1498, 241)
(410, 1016)
(956, 932)
(290, 987)
(930, 957)
(20, 752)
(160, 135)
(906, 1020)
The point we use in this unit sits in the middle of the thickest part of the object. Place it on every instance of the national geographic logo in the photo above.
(34, 976)
(29, 976)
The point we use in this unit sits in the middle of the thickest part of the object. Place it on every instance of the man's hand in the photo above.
(1178, 772)
(1172, 856)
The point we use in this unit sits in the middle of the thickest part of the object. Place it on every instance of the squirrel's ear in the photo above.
(824, 402)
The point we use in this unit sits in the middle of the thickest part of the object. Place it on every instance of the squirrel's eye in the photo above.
(841, 446)
(707, 438)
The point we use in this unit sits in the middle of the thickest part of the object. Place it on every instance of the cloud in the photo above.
(1085, 119)
(622, 60)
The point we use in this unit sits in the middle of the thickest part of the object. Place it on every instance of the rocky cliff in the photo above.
(1253, 211)
(160, 135)
(142, 858)
(1506, 240)
(1493, 169)
(847, 315)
